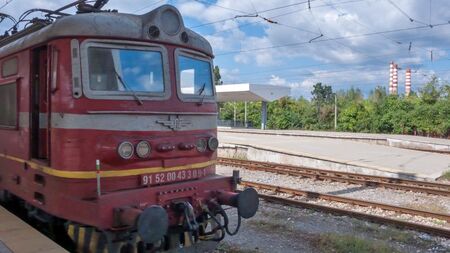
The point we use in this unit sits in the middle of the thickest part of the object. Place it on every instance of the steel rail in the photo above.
(359, 215)
(345, 177)
(346, 200)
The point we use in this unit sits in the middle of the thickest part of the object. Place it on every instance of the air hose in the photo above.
(226, 222)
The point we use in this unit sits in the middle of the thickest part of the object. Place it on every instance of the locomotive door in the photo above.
(40, 103)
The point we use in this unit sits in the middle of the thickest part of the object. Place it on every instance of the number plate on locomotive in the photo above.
(172, 176)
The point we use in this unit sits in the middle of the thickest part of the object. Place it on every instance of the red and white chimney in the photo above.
(391, 76)
(408, 82)
(395, 80)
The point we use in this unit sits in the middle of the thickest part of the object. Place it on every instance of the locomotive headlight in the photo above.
(143, 149)
(171, 21)
(201, 145)
(213, 143)
(125, 150)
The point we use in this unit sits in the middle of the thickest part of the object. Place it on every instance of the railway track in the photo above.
(344, 177)
(332, 198)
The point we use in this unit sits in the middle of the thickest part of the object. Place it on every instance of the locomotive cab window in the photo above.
(8, 105)
(194, 77)
(122, 72)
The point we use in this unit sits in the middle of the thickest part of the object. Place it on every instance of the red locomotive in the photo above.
(108, 126)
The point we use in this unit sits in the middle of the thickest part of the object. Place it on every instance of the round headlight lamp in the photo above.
(171, 21)
(201, 145)
(143, 149)
(125, 150)
(213, 143)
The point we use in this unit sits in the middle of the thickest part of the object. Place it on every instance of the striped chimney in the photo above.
(408, 82)
(395, 80)
(391, 75)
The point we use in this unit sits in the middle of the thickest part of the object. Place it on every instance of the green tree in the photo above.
(322, 94)
(431, 92)
(378, 94)
(446, 91)
(354, 118)
(217, 76)
(322, 97)
(427, 114)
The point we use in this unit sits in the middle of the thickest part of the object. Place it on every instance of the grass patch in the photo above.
(445, 175)
(275, 215)
(392, 235)
(398, 236)
(350, 244)
(269, 226)
(366, 227)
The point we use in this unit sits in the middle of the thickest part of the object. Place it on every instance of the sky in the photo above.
(297, 43)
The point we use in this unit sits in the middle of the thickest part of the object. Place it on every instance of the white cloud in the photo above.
(298, 25)
(334, 19)
(276, 80)
(230, 75)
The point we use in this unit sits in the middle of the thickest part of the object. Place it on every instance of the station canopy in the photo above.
(248, 92)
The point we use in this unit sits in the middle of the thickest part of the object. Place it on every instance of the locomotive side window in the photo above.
(114, 70)
(9, 67)
(8, 105)
(125, 70)
(195, 76)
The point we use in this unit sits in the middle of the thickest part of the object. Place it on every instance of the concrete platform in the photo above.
(394, 140)
(18, 237)
(334, 153)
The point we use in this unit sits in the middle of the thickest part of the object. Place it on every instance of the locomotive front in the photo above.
(130, 137)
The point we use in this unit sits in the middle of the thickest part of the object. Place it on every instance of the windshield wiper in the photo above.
(200, 91)
(138, 100)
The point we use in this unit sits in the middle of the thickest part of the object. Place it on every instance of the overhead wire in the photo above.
(260, 12)
(397, 42)
(320, 34)
(293, 68)
(317, 35)
(220, 6)
(429, 17)
(318, 73)
(400, 43)
(290, 68)
(281, 15)
(334, 39)
(407, 15)
(316, 24)
(253, 6)
(353, 49)
(244, 14)
(331, 78)
(5, 4)
(270, 20)
(147, 6)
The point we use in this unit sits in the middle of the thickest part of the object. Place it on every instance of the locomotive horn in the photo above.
(247, 201)
(152, 223)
